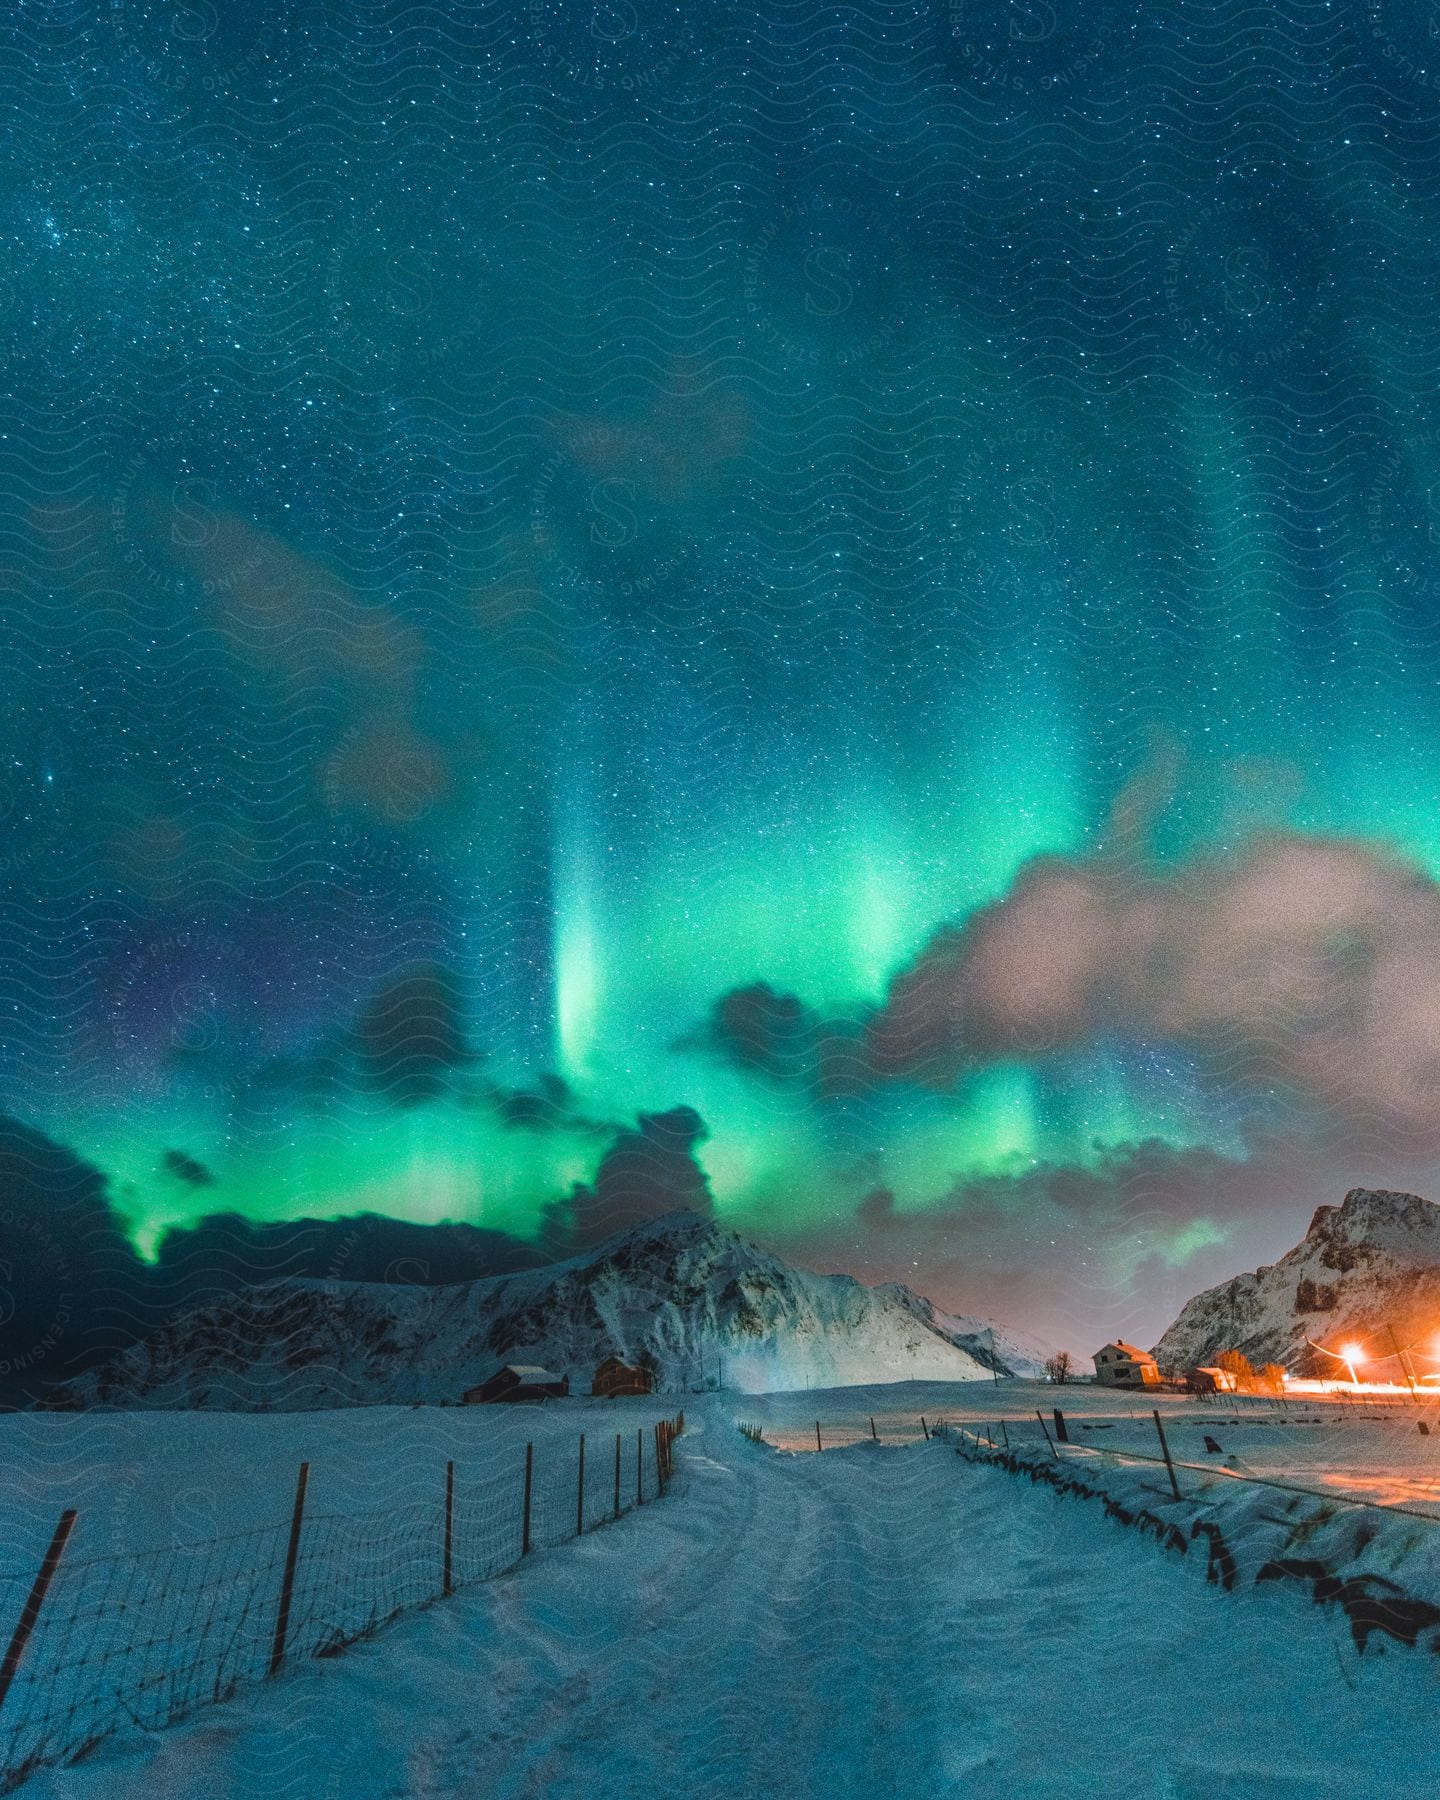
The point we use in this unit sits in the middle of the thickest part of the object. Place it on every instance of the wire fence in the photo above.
(1305, 1504)
(1379, 1448)
(835, 1434)
(142, 1639)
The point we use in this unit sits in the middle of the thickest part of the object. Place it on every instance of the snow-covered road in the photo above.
(876, 1621)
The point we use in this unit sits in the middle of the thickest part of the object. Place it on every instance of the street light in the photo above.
(1350, 1354)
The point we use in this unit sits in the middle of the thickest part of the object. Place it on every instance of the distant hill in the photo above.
(700, 1302)
(1371, 1263)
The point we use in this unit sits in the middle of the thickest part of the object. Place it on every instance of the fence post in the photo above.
(287, 1585)
(617, 1474)
(30, 1612)
(925, 1428)
(659, 1459)
(1048, 1439)
(449, 1587)
(873, 1434)
(1060, 1432)
(525, 1529)
(580, 1492)
(1005, 1434)
(817, 1435)
(639, 1465)
(1174, 1484)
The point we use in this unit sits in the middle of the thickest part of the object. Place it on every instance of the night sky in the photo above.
(826, 612)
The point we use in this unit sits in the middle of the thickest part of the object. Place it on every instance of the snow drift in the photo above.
(702, 1304)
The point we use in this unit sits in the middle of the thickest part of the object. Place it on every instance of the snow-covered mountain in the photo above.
(1363, 1268)
(704, 1304)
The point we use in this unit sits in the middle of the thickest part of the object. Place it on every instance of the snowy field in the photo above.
(1355, 1446)
(144, 1481)
(877, 1621)
(169, 1591)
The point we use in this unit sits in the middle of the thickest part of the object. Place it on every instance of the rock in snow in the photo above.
(1369, 1264)
(702, 1303)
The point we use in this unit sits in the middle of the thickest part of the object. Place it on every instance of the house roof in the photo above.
(1130, 1350)
(526, 1372)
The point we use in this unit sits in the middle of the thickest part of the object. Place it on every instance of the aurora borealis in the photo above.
(548, 552)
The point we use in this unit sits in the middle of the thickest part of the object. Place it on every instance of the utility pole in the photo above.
(1400, 1358)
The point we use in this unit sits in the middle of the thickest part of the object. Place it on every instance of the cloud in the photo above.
(549, 1105)
(765, 1032)
(1309, 965)
(387, 770)
(65, 1264)
(1076, 1254)
(187, 1169)
(225, 1251)
(648, 1171)
(409, 1035)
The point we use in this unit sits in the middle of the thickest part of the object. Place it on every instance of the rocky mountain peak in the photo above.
(684, 1293)
(1363, 1268)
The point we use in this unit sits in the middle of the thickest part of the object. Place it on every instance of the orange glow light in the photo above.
(1353, 1353)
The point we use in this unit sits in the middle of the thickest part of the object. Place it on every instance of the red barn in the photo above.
(615, 1377)
(518, 1381)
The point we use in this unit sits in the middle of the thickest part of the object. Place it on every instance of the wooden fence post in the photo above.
(1048, 1439)
(287, 1584)
(873, 1434)
(639, 1465)
(580, 1492)
(925, 1428)
(617, 1474)
(1174, 1484)
(1060, 1432)
(659, 1458)
(1005, 1434)
(525, 1529)
(818, 1444)
(30, 1612)
(449, 1587)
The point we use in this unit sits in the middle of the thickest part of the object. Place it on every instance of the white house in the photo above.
(1122, 1365)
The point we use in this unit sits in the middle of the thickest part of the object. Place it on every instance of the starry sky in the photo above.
(825, 613)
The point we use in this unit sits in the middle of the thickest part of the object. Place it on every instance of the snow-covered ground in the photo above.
(875, 1621)
(1359, 1445)
(144, 1481)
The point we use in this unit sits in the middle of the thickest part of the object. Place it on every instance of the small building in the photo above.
(1123, 1365)
(615, 1377)
(518, 1381)
(1206, 1379)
